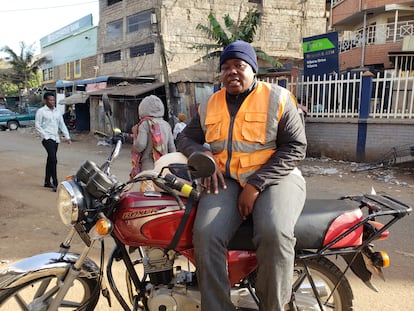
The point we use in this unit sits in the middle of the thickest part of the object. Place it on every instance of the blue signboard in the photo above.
(321, 54)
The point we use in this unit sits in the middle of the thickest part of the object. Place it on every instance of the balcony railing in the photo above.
(375, 34)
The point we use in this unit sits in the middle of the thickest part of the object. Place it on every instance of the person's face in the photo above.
(50, 101)
(236, 75)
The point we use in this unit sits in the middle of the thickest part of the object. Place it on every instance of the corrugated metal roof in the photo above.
(66, 83)
(110, 79)
(128, 89)
(76, 98)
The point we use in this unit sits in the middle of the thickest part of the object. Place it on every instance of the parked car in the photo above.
(12, 120)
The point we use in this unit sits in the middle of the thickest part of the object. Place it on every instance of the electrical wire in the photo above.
(46, 8)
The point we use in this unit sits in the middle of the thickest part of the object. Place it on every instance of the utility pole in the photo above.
(164, 67)
(364, 40)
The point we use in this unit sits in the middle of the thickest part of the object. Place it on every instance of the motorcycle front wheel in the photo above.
(36, 295)
(325, 275)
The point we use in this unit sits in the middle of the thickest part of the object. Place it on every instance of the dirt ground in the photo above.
(31, 225)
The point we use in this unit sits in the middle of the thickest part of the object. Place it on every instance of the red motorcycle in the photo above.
(153, 238)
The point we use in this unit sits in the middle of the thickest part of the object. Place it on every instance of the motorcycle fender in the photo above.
(360, 269)
(42, 265)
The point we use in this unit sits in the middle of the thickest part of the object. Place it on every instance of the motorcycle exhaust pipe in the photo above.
(306, 289)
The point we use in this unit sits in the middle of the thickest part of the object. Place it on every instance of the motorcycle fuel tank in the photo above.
(151, 220)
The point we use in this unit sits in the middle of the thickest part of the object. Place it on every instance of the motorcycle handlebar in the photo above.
(113, 139)
(184, 188)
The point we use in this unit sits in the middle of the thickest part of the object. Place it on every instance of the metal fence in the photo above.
(339, 96)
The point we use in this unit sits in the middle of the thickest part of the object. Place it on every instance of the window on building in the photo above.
(77, 70)
(139, 22)
(142, 49)
(47, 74)
(45, 77)
(256, 1)
(67, 73)
(371, 33)
(114, 29)
(112, 56)
(50, 71)
(111, 2)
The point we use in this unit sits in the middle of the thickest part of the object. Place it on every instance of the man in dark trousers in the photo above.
(256, 137)
(48, 122)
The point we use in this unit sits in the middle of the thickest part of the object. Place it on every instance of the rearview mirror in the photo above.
(201, 164)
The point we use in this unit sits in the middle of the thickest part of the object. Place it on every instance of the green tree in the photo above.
(8, 89)
(24, 67)
(244, 30)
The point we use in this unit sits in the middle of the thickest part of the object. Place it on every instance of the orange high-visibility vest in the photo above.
(242, 144)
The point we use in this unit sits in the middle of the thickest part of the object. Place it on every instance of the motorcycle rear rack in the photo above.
(378, 206)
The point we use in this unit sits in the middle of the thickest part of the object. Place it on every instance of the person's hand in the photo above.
(247, 198)
(214, 180)
(135, 130)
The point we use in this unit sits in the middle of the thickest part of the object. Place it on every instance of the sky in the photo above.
(29, 21)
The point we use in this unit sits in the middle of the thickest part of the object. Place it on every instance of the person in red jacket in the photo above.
(256, 136)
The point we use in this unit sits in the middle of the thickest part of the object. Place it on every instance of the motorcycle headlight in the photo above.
(70, 201)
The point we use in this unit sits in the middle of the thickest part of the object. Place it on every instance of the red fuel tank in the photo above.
(142, 220)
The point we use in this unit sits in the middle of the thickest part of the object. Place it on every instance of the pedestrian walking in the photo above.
(48, 123)
(152, 136)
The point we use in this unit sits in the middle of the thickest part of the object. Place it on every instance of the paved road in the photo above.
(30, 224)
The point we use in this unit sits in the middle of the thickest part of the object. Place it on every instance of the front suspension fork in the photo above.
(66, 283)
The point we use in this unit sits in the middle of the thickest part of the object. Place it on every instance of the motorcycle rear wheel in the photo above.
(33, 295)
(325, 274)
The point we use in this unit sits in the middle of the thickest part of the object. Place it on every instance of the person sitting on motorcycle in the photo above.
(257, 138)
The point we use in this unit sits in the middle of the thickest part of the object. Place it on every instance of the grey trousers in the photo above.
(274, 216)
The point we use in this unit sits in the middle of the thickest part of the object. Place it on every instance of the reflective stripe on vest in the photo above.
(243, 144)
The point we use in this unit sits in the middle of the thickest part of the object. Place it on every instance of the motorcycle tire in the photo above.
(325, 275)
(33, 295)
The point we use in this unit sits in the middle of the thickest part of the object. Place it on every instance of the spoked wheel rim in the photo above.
(37, 294)
(333, 289)
(330, 301)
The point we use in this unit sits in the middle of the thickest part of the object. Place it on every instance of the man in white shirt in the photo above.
(48, 122)
(180, 125)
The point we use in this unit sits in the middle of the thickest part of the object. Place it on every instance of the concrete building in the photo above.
(374, 34)
(155, 39)
(72, 51)
(153, 42)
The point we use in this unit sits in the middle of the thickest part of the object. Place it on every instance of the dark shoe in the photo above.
(54, 189)
(48, 186)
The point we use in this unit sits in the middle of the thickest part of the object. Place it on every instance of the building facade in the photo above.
(156, 39)
(72, 51)
(374, 34)
(137, 37)
(153, 40)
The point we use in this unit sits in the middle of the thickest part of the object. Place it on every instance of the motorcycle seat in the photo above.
(310, 229)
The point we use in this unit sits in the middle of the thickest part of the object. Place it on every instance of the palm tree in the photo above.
(24, 67)
(244, 30)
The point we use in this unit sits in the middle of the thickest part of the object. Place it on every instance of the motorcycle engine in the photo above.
(158, 265)
(168, 292)
(176, 298)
